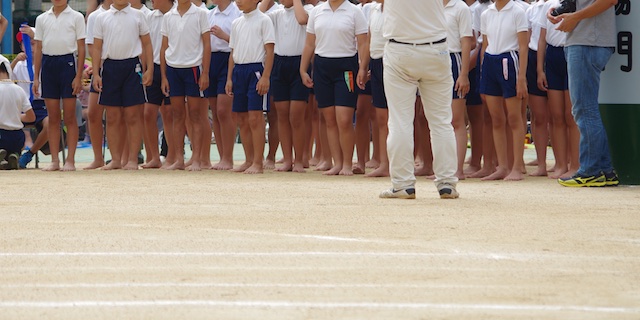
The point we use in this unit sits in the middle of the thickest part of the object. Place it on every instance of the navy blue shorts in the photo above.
(377, 83)
(12, 140)
(245, 96)
(286, 83)
(218, 70)
(154, 91)
(556, 69)
(57, 75)
(122, 83)
(473, 97)
(532, 75)
(499, 74)
(183, 82)
(40, 110)
(334, 81)
(456, 67)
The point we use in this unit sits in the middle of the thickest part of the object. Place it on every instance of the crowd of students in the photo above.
(313, 67)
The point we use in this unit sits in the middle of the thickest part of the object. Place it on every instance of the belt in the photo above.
(419, 44)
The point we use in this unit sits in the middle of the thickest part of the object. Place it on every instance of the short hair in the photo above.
(3, 68)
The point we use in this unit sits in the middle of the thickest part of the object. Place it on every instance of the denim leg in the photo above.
(584, 65)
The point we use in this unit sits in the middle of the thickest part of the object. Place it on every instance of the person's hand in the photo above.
(97, 83)
(306, 79)
(263, 86)
(551, 18)
(21, 56)
(203, 82)
(228, 88)
(87, 72)
(568, 22)
(147, 78)
(462, 86)
(219, 33)
(27, 30)
(521, 88)
(164, 86)
(542, 81)
(362, 78)
(76, 85)
(36, 87)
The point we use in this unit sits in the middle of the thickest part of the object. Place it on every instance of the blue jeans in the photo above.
(584, 65)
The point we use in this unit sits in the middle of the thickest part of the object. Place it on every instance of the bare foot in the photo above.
(178, 165)
(166, 165)
(223, 165)
(314, 162)
(54, 166)
(498, 175)
(533, 163)
(153, 164)
(372, 164)
(422, 171)
(299, 168)
(471, 170)
(323, 166)
(131, 165)
(112, 166)
(357, 170)
(568, 174)
(554, 168)
(281, 161)
(481, 173)
(254, 169)
(348, 171)
(268, 164)
(286, 167)
(94, 165)
(540, 172)
(242, 167)
(381, 171)
(195, 166)
(69, 166)
(515, 175)
(188, 163)
(206, 165)
(556, 174)
(333, 171)
(460, 175)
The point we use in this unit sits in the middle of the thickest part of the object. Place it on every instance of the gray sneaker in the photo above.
(409, 193)
(13, 161)
(448, 191)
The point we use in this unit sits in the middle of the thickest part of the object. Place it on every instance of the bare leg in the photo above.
(285, 135)
(383, 132)
(133, 118)
(574, 139)
(460, 129)
(151, 136)
(499, 122)
(326, 161)
(274, 139)
(346, 134)
(315, 138)
(375, 136)
(179, 131)
(297, 115)
(363, 131)
(333, 138)
(540, 128)
(95, 127)
(476, 121)
(514, 115)
(167, 120)
(114, 135)
(488, 147)
(559, 128)
(257, 127)
(247, 141)
(228, 129)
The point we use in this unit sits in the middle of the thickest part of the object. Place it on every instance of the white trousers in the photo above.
(408, 68)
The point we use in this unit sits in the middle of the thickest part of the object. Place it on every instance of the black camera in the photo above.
(566, 6)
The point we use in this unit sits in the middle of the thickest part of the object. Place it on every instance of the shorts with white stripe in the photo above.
(499, 74)
(122, 83)
(245, 78)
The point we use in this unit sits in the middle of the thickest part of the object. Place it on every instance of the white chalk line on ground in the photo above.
(346, 254)
(241, 285)
(320, 305)
(310, 236)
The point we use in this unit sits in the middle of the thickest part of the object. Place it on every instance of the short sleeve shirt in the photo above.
(120, 31)
(290, 35)
(336, 31)
(184, 34)
(502, 27)
(224, 20)
(249, 34)
(14, 102)
(60, 35)
(458, 17)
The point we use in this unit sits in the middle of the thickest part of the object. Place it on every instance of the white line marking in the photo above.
(310, 236)
(239, 285)
(477, 255)
(322, 305)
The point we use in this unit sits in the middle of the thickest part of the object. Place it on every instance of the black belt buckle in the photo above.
(420, 44)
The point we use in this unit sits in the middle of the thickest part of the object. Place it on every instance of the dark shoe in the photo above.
(3, 154)
(566, 6)
(611, 179)
(13, 161)
(584, 181)
(448, 191)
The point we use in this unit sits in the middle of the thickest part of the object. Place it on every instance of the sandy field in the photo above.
(218, 245)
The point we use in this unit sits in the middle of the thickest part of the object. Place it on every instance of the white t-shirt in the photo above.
(458, 16)
(366, 9)
(336, 31)
(60, 35)
(222, 19)
(533, 15)
(120, 31)
(554, 37)
(154, 21)
(14, 102)
(91, 21)
(145, 10)
(290, 35)
(185, 36)
(502, 27)
(414, 21)
(376, 25)
(477, 12)
(249, 34)
(21, 72)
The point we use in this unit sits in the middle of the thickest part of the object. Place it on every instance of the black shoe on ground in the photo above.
(13, 161)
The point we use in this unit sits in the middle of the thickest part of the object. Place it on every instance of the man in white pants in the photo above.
(416, 58)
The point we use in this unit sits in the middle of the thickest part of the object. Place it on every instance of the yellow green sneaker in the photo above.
(584, 181)
(611, 179)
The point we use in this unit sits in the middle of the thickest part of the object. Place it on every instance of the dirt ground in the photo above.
(217, 245)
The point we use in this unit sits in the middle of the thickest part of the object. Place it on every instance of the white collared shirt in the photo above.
(222, 19)
(120, 31)
(185, 36)
(14, 102)
(154, 21)
(414, 21)
(477, 12)
(60, 35)
(502, 27)
(21, 72)
(376, 25)
(249, 34)
(336, 31)
(533, 15)
(290, 35)
(554, 37)
(145, 10)
(91, 21)
(458, 17)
